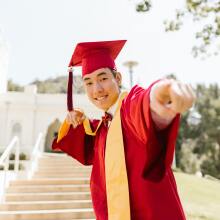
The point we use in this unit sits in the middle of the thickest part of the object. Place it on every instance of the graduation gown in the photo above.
(148, 154)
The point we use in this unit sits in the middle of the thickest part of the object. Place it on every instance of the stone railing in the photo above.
(4, 161)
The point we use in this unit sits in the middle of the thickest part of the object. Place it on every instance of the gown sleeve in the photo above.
(160, 144)
(77, 144)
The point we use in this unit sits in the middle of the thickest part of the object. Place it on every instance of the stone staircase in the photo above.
(59, 189)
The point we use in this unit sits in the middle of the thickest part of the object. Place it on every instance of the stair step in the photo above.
(59, 167)
(48, 188)
(66, 159)
(51, 181)
(63, 157)
(72, 170)
(58, 190)
(47, 196)
(60, 214)
(55, 157)
(59, 162)
(56, 164)
(45, 205)
(64, 172)
(76, 167)
(59, 175)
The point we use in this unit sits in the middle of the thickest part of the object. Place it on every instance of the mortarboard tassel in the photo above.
(70, 91)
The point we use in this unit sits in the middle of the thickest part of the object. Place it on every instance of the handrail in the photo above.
(8, 150)
(34, 156)
(4, 160)
(37, 144)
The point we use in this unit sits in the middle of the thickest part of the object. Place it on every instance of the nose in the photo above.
(98, 88)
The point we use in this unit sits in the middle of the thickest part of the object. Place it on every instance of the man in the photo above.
(132, 147)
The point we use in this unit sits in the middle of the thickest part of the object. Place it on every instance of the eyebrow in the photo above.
(100, 74)
(85, 79)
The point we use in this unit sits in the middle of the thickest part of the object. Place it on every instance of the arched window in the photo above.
(16, 130)
(52, 132)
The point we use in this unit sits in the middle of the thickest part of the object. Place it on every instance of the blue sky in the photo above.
(41, 36)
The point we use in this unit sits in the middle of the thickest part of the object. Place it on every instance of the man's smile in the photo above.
(101, 98)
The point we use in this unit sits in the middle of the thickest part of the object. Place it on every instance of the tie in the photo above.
(106, 118)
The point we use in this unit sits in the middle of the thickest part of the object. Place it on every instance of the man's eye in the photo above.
(89, 84)
(103, 79)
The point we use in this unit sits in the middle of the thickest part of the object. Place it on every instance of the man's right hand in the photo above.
(75, 117)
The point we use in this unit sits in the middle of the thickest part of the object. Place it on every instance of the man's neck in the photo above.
(113, 108)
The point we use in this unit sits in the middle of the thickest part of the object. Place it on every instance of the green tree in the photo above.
(14, 86)
(59, 85)
(201, 141)
(204, 12)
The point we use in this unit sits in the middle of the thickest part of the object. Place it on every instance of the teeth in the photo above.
(100, 98)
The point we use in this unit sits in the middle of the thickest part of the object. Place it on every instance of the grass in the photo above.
(200, 197)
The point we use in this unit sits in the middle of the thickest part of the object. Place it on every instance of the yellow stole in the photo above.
(115, 170)
(115, 166)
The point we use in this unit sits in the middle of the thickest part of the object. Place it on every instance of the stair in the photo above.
(59, 189)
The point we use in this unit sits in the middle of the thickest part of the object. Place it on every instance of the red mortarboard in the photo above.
(92, 56)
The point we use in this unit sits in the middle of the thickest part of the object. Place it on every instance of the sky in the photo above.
(41, 36)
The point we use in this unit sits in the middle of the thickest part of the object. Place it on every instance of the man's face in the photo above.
(102, 87)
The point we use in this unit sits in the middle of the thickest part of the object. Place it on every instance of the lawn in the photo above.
(200, 197)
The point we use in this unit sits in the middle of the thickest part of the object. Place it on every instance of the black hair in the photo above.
(113, 71)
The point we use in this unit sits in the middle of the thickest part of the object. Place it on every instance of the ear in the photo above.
(118, 78)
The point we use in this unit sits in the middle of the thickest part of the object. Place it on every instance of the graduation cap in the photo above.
(92, 56)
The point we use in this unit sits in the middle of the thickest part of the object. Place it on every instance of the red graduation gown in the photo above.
(148, 154)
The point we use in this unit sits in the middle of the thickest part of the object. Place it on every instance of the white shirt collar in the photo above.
(113, 108)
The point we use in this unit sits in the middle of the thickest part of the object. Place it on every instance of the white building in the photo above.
(28, 113)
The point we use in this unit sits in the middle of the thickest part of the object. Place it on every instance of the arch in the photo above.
(16, 130)
(52, 132)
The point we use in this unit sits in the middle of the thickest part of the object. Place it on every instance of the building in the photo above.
(26, 114)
